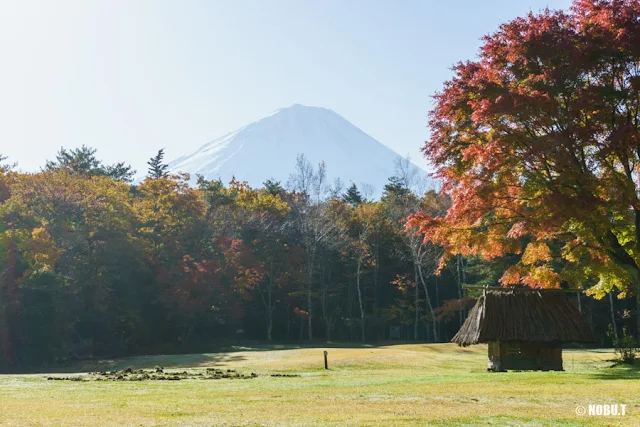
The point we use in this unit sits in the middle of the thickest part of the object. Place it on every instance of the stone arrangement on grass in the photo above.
(157, 374)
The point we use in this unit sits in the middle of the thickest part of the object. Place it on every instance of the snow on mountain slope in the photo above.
(267, 148)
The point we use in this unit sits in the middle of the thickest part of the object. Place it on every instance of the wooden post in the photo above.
(326, 365)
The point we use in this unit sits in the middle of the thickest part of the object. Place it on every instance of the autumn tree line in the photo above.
(92, 265)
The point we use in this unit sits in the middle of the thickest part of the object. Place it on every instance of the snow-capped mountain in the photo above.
(267, 149)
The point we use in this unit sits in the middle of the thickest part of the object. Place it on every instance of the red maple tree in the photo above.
(537, 143)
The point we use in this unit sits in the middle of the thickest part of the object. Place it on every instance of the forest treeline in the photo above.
(93, 265)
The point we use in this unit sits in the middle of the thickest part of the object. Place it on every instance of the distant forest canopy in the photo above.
(92, 265)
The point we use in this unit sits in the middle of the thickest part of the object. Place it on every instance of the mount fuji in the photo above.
(267, 149)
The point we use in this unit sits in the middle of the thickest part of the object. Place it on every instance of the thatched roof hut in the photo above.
(525, 328)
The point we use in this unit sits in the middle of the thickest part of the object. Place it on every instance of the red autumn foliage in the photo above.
(196, 288)
(539, 138)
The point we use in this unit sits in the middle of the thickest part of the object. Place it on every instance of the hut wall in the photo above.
(524, 356)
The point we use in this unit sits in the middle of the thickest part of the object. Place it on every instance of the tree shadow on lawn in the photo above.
(449, 348)
(212, 357)
(192, 360)
(265, 346)
(618, 372)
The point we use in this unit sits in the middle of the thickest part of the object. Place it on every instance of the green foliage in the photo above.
(352, 196)
(396, 188)
(120, 172)
(83, 161)
(626, 346)
(273, 187)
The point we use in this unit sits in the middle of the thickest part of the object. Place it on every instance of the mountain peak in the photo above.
(267, 149)
(303, 109)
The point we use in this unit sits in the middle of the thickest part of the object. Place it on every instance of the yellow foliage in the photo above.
(167, 205)
(542, 277)
(536, 252)
(259, 201)
(40, 251)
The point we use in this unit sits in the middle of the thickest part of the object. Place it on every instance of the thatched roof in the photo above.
(518, 315)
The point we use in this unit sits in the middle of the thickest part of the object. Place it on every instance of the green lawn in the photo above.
(437, 384)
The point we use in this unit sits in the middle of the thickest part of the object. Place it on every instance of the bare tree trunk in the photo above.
(578, 294)
(270, 302)
(376, 271)
(328, 326)
(288, 323)
(270, 308)
(323, 302)
(429, 305)
(324, 283)
(589, 311)
(301, 326)
(464, 280)
(350, 305)
(437, 301)
(638, 318)
(613, 318)
(459, 283)
(417, 308)
(269, 327)
(310, 279)
(360, 297)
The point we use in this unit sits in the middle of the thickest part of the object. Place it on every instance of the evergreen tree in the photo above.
(395, 187)
(157, 167)
(353, 196)
(83, 161)
(120, 172)
(273, 187)
(6, 166)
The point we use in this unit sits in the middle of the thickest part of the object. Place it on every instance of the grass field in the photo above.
(437, 384)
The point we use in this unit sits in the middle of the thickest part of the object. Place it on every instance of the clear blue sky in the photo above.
(131, 76)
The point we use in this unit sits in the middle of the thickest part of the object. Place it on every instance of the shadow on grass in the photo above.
(262, 346)
(226, 352)
(576, 349)
(618, 372)
(449, 348)
(213, 356)
(145, 362)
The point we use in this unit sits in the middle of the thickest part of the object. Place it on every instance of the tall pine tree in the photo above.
(353, 196)
(157, 167)
(273, 187)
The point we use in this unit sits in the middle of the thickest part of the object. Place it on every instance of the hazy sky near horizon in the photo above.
(131, 76)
